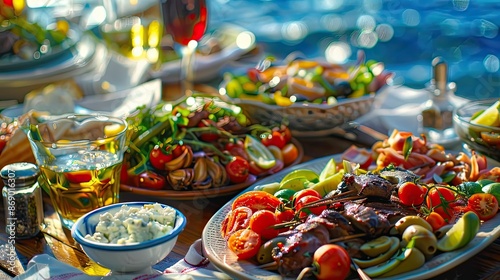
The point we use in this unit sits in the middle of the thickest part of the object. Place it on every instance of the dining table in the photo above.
(56, 240)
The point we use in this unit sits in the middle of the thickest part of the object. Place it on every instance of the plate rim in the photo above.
(456, 257)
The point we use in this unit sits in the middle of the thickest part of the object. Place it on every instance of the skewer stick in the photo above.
(347, 237)
(268, 266)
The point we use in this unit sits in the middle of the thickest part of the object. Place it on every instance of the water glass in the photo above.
(80, 159)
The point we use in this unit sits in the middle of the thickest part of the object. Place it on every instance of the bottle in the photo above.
(436, 118)
(22, 200)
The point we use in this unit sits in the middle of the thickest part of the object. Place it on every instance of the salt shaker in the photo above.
(22, 199)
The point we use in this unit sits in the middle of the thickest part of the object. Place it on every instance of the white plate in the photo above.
(225, 260)
(234, 42)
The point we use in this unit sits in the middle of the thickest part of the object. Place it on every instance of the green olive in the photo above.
(381, 258)
(407, 221)
(264, 254)
(424, 239)
(376, 246)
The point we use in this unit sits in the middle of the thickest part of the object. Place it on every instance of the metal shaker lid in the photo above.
(19, 174)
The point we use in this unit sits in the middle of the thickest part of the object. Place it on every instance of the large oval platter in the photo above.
(220, 255)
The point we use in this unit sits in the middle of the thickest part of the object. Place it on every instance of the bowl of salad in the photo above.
(311, 95)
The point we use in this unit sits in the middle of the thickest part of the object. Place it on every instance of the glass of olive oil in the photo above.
(80, 159)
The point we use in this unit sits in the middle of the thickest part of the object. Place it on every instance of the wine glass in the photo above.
(186, 22)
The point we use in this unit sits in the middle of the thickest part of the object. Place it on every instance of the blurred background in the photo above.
(404, 34)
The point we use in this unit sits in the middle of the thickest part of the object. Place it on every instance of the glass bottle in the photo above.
(22, 199)
(436, 118)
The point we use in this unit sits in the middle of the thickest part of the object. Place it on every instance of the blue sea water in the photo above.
(405, 35)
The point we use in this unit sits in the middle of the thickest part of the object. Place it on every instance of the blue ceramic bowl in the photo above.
(125, 258)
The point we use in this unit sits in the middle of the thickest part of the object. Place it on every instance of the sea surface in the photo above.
(405, 35)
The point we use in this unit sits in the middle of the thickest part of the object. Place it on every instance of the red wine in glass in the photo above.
(185, 20)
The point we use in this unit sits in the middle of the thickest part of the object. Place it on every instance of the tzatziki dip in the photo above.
(134, 224)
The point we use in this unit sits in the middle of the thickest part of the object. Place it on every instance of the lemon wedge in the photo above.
(490, 116)
(259, 153)
(461, 233)
(330, 169)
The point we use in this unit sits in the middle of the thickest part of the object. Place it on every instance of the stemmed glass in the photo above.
(186, 22)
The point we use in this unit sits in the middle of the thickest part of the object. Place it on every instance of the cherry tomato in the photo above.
(238, 170)
(3, 142)
(257, 200)
(485, 205)
(438, 199)
(262, 222)
(411, 194)
(158, 158)
(284, 215)
(178, 150)
(290, 153)
(78, 177)
(207, 136)
(304, 212)
(435, 220)
(285, 131)
(150, 180)
(332, 262)
(245, 243)
(275, 138)
(235, 219)
(305, 192)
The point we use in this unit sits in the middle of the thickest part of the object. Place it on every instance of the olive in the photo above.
(423, 239)
(343, 89)
(264, 254)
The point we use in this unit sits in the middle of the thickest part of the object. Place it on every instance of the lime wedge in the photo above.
(311, 175)
(295, 184)
(460, 233)
(258, 153)
(330, 169)
(490, 116)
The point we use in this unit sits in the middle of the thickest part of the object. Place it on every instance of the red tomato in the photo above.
(332, 262)
(3, 142)
(304, 212)
(262, 222)
(208, 136)
(236, 219)
(438, 199)
(285, 131)
(257, 200)
(290, 153)
(150, 180)
(485, 205)
(238, 170)
(158, 158)
(78, 177)
(435, 220)
(275, 138)
(178, 150)
(302, 193)
(245, 243)
(411, 194)
(284, 215)
(363, 157)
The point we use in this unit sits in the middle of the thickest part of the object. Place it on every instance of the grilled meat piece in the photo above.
(392, 211)
(398, 175)
(366, 219)
(299, 248)
(342, 225)
(366, 185)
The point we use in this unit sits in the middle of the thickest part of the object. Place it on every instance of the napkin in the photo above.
(193, 266)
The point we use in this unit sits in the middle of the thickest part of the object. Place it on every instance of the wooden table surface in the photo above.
(198, 211)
